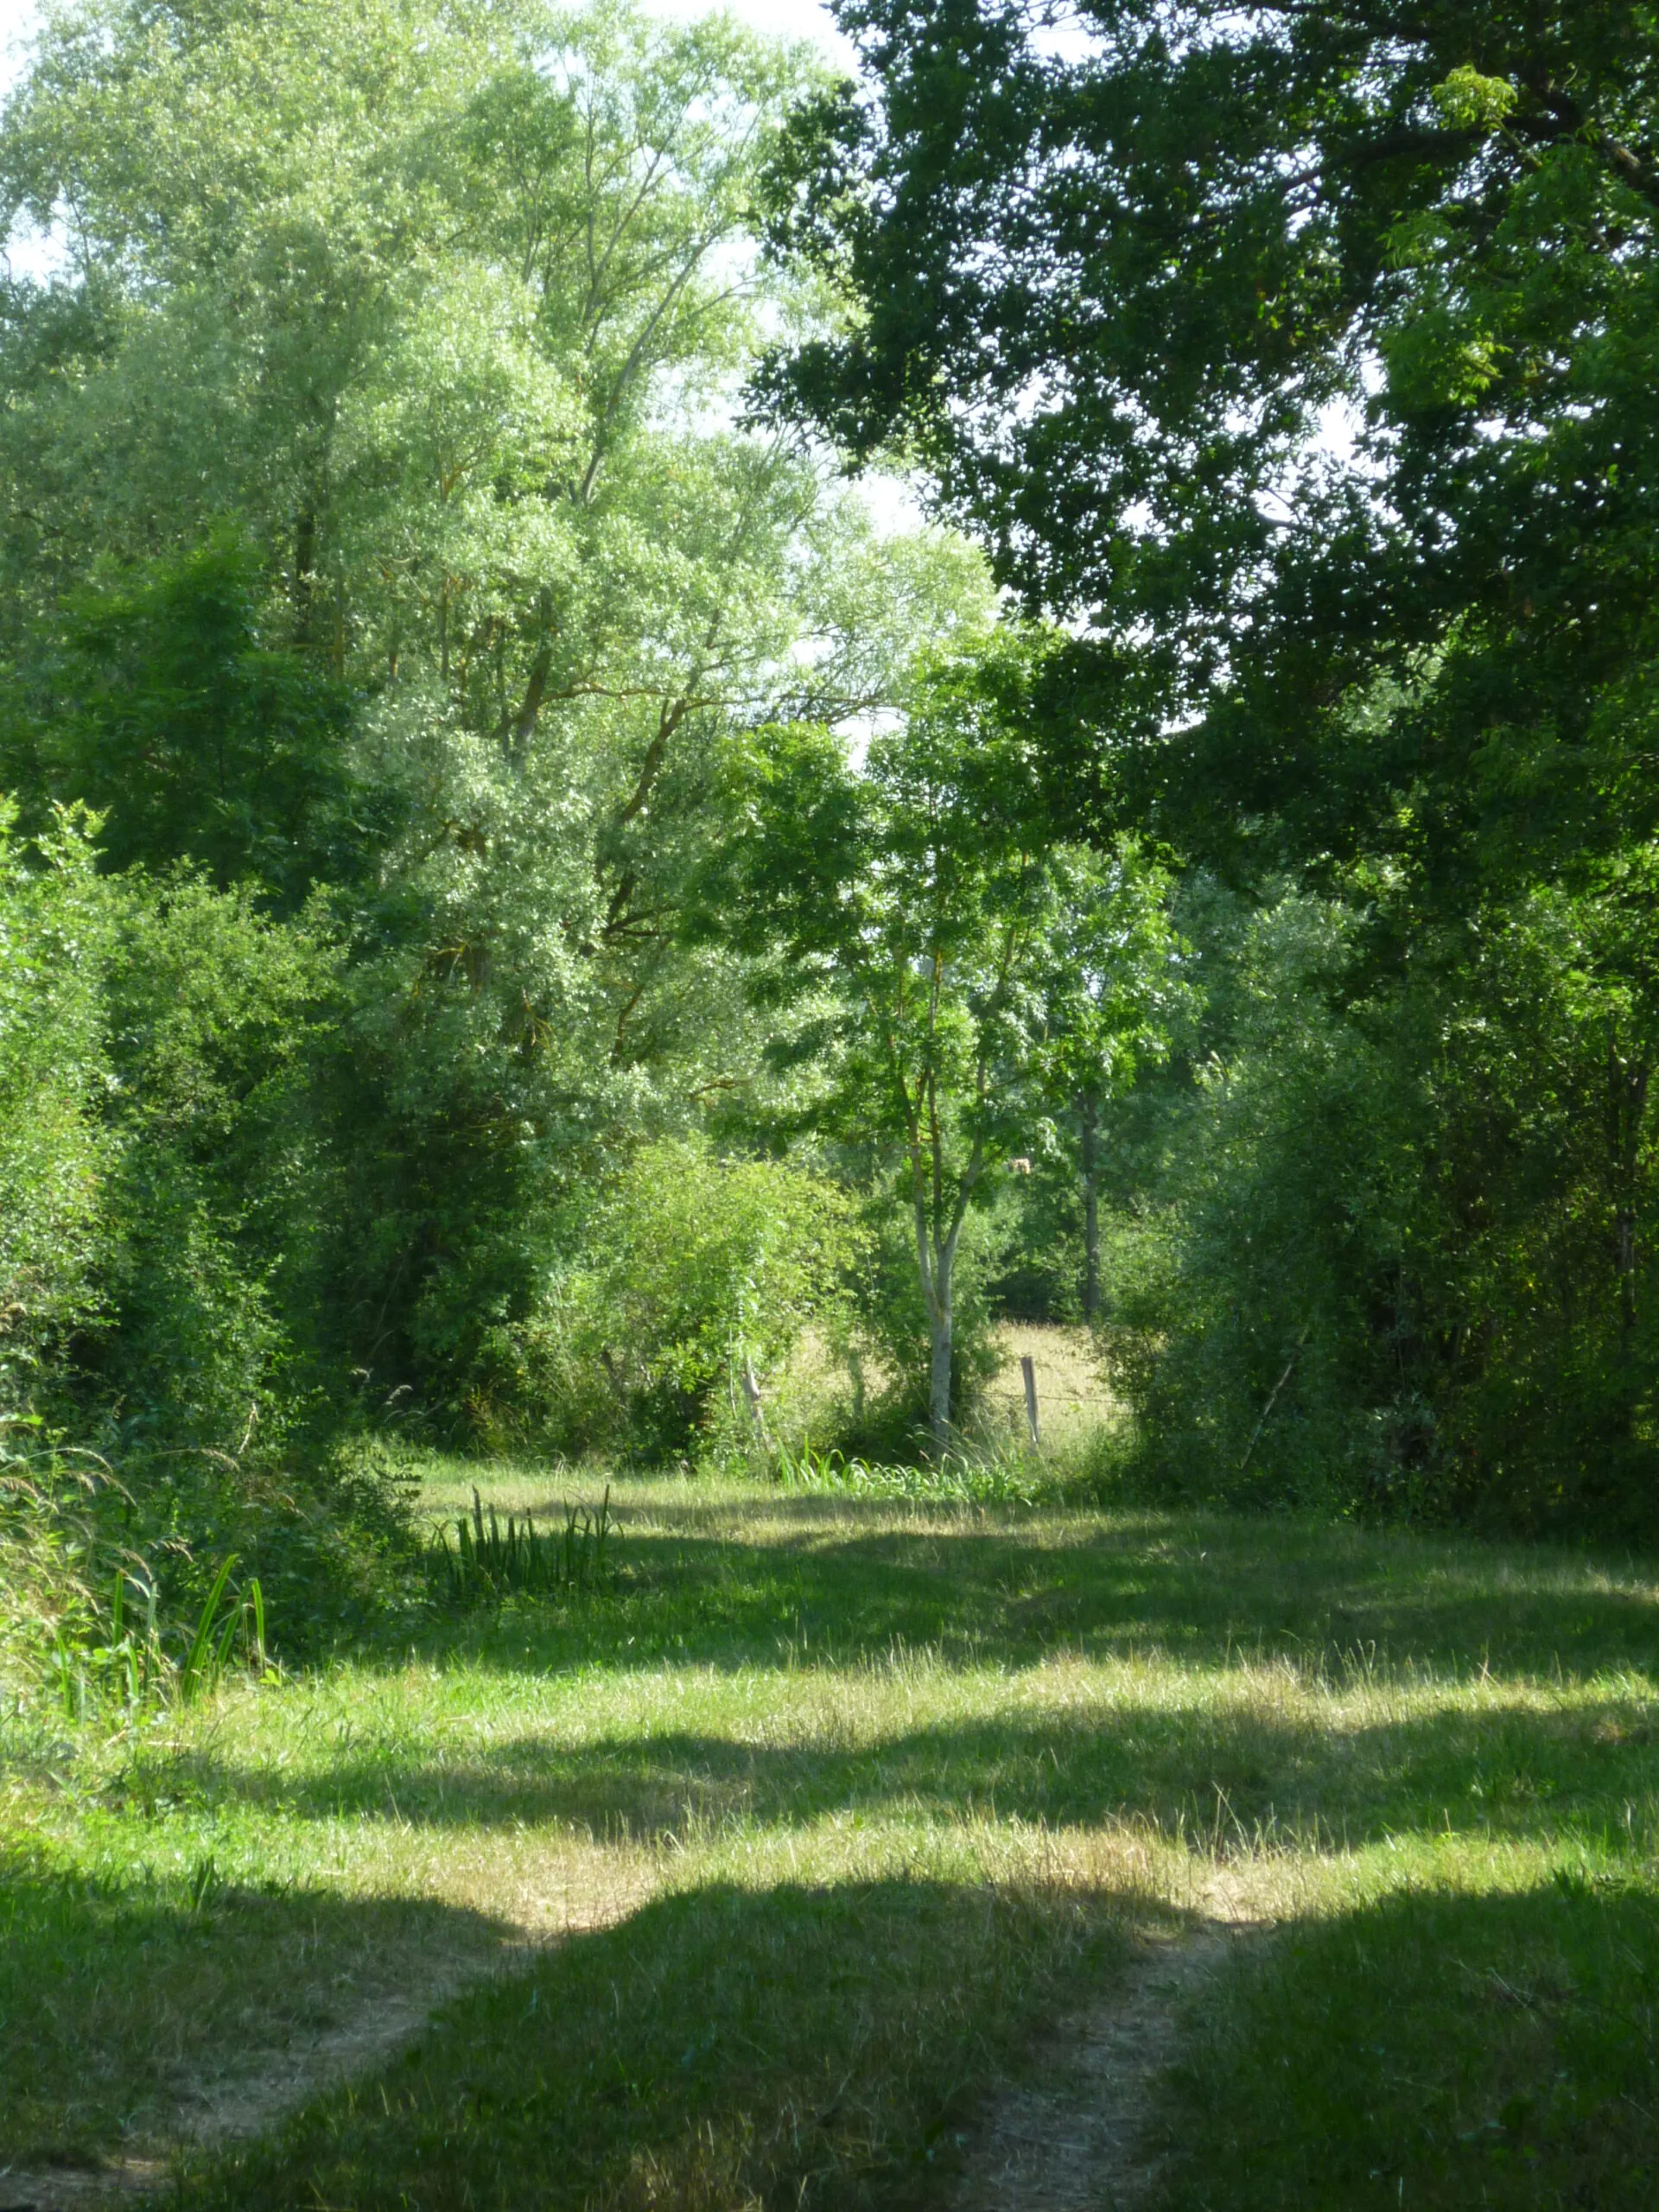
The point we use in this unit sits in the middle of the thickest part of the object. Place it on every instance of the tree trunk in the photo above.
(1627, 1103)
(1087, 1111)
(938, 1396)
(305, 559)
(935, 1262)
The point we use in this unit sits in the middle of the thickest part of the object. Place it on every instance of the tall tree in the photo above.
(1303, 355)
(377, 525)
(1280, 345)
(962, 976)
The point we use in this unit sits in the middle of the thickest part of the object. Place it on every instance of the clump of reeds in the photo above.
(125, 1660)
(81, 1623)
(488, 1559)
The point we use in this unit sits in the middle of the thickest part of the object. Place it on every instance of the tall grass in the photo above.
(82, 1625)
(488, 1561)
(1008, 1477)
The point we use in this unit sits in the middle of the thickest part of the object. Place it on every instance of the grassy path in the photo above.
(1081, 2129)
(774, 1877)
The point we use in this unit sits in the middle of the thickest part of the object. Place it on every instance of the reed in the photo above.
(489, 1559)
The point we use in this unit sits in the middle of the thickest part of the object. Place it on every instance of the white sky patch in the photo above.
(17, 20)
(28, 252)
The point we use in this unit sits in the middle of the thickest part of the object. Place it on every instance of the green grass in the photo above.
(840, 1799)
(1439, 2045)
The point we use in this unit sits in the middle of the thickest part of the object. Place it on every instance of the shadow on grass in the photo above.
(1201, 1592)
(725, 2046)
(124, 2005)
(1188, 1770)
(1437, 2050)
(1341, 1606)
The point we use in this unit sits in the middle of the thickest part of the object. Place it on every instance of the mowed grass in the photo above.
(766, 1863)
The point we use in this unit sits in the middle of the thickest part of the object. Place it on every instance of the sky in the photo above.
(16, 18)
(791, 19)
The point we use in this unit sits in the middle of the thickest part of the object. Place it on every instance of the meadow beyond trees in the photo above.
(828, 1006)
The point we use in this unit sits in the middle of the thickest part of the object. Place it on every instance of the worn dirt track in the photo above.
(245, 2101)
(1077, 2134)
(1074, 2135)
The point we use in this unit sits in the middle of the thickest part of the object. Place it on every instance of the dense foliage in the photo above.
(1303, 359)
(391, 585)
(518, 901)
(966, 977)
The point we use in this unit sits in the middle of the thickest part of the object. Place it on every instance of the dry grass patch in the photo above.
(1074, 1401)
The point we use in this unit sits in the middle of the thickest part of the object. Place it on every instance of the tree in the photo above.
(961, 977)
(1117, 292)
(1303, 358)
(194, 740)
(377, 522)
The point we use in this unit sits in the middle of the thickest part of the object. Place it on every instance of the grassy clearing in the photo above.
(845, 1797)
(814, 1398)
(1073, 1402)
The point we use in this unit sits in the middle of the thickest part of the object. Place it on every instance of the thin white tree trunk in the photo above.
(936, 1262)
(938, 1400)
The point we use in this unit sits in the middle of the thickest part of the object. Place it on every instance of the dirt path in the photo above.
(245, 2101)
(1078, 2138)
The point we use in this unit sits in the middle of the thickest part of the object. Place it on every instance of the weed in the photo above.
(93, 1655)
(488, 1560)
(1007, 1478)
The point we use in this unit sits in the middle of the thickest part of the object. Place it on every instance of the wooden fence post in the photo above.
(1028, 1370)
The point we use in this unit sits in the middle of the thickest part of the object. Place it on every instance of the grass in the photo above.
(1072, 1397)
(834, 1801)
(814, 1397)
(1438, 2045)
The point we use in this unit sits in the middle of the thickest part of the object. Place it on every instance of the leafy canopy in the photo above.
(1288, 348)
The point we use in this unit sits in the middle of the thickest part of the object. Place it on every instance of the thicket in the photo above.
(394, 598)
(1303, 359)
(519, 903)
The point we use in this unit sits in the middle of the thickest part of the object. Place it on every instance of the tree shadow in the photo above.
(1211, 1766)
(1016, 1590)
(129, 2007)
(725, 2045)
(1013, 1592)
(1437, 2049)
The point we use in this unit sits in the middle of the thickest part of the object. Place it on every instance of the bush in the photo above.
(1391, 1261)
(55, 1085)
(160, 1177)
(219, 1177)
(693, 1268)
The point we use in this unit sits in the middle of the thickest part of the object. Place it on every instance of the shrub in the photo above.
(694, 1267)
(55, 1080)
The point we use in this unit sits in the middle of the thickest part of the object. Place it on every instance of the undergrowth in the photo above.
(1008, 1477)
(488, 1561)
